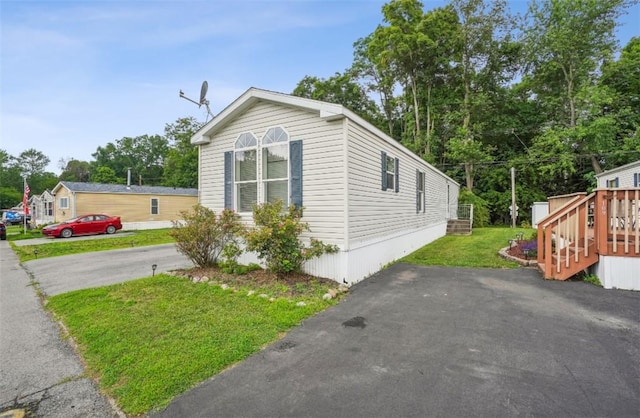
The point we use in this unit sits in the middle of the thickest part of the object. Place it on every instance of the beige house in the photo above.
(139, 207)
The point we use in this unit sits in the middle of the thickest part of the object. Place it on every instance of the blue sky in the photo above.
(77, 75)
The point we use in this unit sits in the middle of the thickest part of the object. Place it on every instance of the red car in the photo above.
(84, 225)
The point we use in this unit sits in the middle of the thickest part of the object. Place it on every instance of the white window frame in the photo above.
(240, 147)
(65, 205)
(391, 181)
(261, 181)
(421, 191)
(157, 206)
(613, 183)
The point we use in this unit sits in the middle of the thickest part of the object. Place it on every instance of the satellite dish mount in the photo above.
(203, 98)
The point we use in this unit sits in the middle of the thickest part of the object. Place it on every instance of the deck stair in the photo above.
(565, 243)
(572, 238)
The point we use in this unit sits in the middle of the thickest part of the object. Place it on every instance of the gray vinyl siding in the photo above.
(322, 161)
(376, 213)
(624, 175)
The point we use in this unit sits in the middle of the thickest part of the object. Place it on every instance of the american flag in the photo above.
(25, 198)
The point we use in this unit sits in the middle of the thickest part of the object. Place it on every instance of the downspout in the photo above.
(73, 212)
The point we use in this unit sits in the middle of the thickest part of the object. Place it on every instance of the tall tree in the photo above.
(567, 42)
(181, 163)
(484, 32)
(75, 170)
(32, 162)
(144, 155)
(340, 89)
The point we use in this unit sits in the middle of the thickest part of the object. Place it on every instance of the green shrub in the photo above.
(275, 238)
(592, 278)
(203, 236)
(480, 207)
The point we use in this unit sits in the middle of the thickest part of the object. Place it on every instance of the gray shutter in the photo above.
(635, 179)
(397, 175)
(417, 191)
(617, 184)
(384, 170)
(295, 154)
(228, 180)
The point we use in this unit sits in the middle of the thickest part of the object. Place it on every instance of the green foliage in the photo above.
(480, 207)
(592, 278)
(181, 162)
(202, 236)
(275, 238)
(106, 175)
(75, 170)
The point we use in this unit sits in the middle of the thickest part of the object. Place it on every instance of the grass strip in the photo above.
(148, 340)
(479, 249)
(62, 246)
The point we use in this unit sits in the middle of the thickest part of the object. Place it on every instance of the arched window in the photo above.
(261, 168)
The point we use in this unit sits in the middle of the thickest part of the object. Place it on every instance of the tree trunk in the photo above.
(596, 165)
(427, 148)
(414, 90)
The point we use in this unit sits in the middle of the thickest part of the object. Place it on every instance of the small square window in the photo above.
(63, 203)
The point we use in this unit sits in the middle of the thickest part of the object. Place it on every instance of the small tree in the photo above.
(275, 238)
(202, 236)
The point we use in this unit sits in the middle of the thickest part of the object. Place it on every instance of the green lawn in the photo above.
(148, 340)
(477, 250)
(61, 246)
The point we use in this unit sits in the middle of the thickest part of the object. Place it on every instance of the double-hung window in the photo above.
(390, 173)
(63, 203)
(613, 183)
(275, 165)
(155, 206)
(246, 172)
(261, 169)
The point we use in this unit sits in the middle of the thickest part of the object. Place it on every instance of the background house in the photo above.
(41, 208)
(139, 207)
(624, 176)
(361, 189)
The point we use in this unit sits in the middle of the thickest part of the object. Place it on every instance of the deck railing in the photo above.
(606, 222)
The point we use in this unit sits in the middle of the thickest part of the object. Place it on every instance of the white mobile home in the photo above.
(624, 176)
(361, 190)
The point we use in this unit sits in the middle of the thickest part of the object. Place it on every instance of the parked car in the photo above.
(14, 217)
(3, 231)
(84, 225)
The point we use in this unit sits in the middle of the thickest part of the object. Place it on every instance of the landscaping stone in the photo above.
(333, 293)
(262, 295)
(301, 304)
(224, 286)
(251, 292)
(327, 296)
(343, 288)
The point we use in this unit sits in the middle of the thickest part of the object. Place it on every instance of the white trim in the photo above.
(151, 199)
(621, 168)
(345, 182)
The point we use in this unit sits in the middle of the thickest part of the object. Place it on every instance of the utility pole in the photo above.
(514, 210)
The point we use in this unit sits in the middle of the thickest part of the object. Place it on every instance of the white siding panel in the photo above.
(618, 272)
(376, 213)
(322, 185)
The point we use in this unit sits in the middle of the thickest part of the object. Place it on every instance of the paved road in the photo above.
(58, 275)
(39, 372)
(444, 342)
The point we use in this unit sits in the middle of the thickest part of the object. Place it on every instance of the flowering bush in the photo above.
(275, 238)
(202, 236)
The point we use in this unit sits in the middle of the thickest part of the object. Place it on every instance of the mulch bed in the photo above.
(517, 252)
(259, 278)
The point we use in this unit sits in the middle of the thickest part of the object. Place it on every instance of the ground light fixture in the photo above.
(35, 252)
(153, 269)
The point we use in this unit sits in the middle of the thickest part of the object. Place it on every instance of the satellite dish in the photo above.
(203, 92)
(203, 98)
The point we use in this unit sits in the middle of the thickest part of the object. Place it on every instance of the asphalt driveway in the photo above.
(451, 342)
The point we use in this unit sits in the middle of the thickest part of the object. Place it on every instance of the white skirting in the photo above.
(618, 272)
(365, 259)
